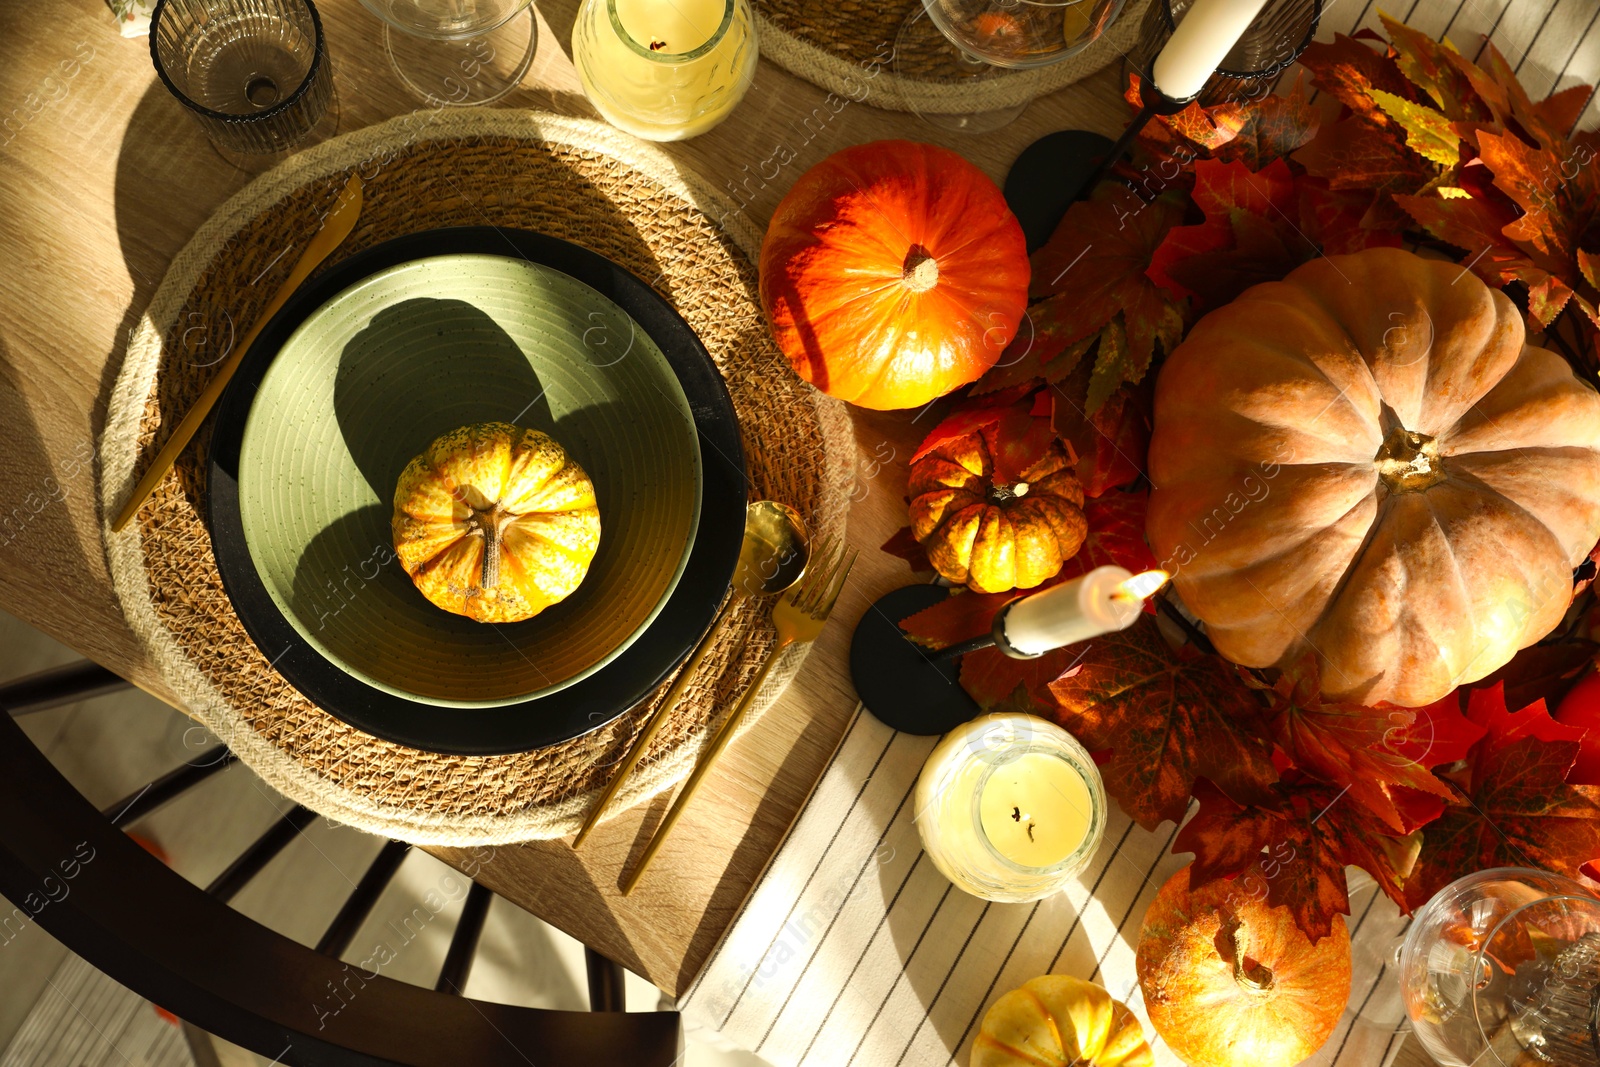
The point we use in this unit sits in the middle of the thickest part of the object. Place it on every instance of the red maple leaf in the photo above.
(1427, 64)
(1299, 844)
(1355, 153)
(1376, 754)
(1274, 126)
(1110, 446)
(1091, 278)
(1168, 717)
(1543, 672)
(904, 544)
(968, 419)
(1115, 537)
(1335, 220)
(1196, 131)
(1349, 70)
(1249, 235)
(1519, 810)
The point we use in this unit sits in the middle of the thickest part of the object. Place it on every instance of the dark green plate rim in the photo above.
(554, 717)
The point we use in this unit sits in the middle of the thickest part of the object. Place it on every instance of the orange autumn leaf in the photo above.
(1378, 755)
(1168, 717)
(1296, 848)
(1248, 236)
(1518, 808)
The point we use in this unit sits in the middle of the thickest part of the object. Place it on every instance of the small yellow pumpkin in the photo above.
(988, 525)
(1059, 1021)
(495, 522)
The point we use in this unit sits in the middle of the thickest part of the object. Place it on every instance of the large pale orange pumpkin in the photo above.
(1365, 463)
(1059, 1021)
(1230, 982)
(995, 529)
(892, 273)
(495, 522)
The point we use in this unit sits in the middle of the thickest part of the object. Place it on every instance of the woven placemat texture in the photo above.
(848, 48)
(575, 179)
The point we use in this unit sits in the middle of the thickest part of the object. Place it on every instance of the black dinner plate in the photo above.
(578, 708)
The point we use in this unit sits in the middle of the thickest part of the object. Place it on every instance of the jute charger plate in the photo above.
(848, 47)
(575, 179)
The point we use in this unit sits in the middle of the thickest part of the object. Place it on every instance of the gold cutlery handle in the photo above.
(653, 726)
(724, 735)
(340, 221)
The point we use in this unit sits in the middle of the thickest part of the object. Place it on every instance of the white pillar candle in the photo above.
(1105, 600)
(1197, 46)
(1010, 807)
(664, 70)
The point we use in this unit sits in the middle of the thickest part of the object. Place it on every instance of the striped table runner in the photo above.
(853, 949)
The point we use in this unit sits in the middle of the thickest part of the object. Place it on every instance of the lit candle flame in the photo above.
(1140, 586)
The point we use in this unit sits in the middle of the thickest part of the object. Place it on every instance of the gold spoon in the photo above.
(772, 558)
(335, 228)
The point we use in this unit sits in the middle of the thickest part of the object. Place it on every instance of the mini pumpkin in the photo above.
(1060, 1021)
(1367, 463)
(1231, 982)
(892, 273)
(990, 526)
(495, 522)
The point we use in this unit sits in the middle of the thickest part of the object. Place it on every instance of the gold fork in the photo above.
(799, 618)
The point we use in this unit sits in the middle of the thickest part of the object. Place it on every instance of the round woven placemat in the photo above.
(848, 47)
(575, 179)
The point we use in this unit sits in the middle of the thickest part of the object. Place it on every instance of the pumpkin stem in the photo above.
(1249, 974)
(1408, 462)
(920, 271)
(491, 524)
(1005, 494)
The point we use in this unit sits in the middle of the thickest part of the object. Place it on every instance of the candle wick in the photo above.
(1016, 814)
(656, 46)
(1030, 831)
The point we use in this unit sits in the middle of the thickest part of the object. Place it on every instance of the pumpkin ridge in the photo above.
(1298, 545)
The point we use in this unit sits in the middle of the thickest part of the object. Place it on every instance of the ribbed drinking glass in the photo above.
(254, 73)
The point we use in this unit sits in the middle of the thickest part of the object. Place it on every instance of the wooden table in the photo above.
(103, 178)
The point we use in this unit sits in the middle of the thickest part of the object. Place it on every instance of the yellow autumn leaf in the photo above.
(1428, 133)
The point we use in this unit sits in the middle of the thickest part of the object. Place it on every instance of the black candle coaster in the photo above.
(906, 686)
(1048, 176)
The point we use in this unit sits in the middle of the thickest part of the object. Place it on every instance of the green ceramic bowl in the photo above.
(373, 376)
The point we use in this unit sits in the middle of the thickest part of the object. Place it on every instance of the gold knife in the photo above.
(335, 228)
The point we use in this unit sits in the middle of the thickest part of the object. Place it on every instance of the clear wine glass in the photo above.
(458, 53)
(1502, 969)
(947, 49)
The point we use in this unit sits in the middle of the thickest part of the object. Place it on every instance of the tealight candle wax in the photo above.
(1200, 42)
(664, 70)
(1010, 807)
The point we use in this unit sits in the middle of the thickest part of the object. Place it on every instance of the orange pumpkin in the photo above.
(1364, 462)
(892, 273)
(993, 528)
(495, 522)
(1230, 982)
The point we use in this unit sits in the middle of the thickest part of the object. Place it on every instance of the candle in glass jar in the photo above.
(1198, 45)
(1035, 810)
(1104, 600)
(1010, 807)
(664, 69)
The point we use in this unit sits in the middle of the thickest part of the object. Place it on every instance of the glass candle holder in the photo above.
(1010, 807)
(1274, 40)
(665, 70)
(254, 73)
